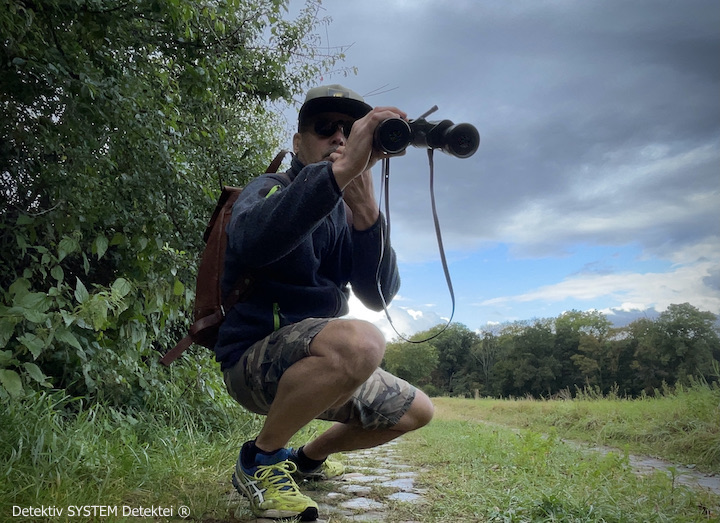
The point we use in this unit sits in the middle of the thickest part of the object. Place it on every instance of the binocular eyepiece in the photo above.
(395, 134)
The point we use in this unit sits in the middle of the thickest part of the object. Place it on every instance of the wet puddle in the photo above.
(684, 475)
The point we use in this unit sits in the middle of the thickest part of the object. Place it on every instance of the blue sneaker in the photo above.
(270, 488)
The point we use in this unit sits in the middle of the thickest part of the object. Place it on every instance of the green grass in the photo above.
(682, 426)
(506, 460)
(99, 456)
(476, 473)
(481, 460)
(60, 453)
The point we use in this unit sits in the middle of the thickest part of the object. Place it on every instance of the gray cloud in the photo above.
(599, 124)
(569, 98)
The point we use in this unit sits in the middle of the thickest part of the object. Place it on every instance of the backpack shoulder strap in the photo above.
(275, 164)
(227, 198)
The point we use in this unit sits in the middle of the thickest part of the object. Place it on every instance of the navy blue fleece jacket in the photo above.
(295, 241)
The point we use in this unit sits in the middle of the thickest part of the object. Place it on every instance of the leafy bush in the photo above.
(119, 124)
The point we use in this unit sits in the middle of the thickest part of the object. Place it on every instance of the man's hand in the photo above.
(358, 155)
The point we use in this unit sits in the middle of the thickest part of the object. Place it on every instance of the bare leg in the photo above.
(343, 355)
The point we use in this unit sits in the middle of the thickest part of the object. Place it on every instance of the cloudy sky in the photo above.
(597, 181)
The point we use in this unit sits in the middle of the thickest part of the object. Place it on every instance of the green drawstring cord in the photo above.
(276, 307)
(273, 190)
(276, 316)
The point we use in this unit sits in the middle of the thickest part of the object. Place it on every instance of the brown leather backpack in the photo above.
(209, 310)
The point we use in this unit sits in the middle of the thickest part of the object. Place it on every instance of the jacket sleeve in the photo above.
(369, 268)
(268, 223)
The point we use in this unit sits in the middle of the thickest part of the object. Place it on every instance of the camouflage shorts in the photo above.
(379, 403)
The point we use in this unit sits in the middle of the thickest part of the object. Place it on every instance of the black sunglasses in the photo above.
(327, 128)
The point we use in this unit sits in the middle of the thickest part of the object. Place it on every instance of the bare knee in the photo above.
(352, 347)
(418, 415)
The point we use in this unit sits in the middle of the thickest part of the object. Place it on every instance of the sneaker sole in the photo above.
(309, 514)
(318, 477)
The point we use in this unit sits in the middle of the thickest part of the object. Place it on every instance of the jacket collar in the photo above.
(295, 167)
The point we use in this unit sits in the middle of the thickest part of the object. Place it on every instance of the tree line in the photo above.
(576, 350)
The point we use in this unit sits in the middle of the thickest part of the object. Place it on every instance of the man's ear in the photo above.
(296, 142)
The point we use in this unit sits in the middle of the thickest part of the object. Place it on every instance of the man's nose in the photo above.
(339, 136)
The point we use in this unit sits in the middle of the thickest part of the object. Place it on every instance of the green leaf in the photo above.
(98, 308)
(35, 373)
(33, 343)
(67, 317)
(32, 300)
(7, 328)
(57, 273)
(117, 239)
(24, 219)
(34, 316)
(178, 288)
(81, 293)
(121, 288)
(5, 357)
(11, 382)
(67, 246)
(20, 286)
(32, 306)
(64, 335)
(21, 242)
(101, 245)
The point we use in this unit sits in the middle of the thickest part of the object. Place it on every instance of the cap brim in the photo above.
(329, 104)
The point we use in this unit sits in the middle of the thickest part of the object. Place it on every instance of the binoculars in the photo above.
(395, 134)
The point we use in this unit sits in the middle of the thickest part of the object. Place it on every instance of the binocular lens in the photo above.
(393, 135)
(461, 140)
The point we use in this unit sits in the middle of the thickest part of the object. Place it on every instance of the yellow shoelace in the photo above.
(277, 477)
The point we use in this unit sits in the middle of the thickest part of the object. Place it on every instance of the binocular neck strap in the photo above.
(385, 187)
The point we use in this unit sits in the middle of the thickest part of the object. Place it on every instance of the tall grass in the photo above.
(681, 425)
(475, 472)
(59, 452)
(176, 447)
